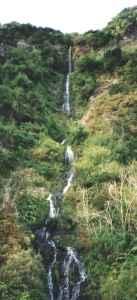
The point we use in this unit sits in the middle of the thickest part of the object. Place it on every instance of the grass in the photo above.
(104, 194)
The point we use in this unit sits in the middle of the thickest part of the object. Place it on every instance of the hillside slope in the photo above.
(33, 64)
(104, 135)
(99, 213)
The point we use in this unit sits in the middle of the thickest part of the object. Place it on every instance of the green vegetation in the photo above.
(99, 212)
(123, 25)
(104, 139)
(32, 69)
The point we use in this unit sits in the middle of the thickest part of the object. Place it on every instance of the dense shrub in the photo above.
(98, 39)
(119, 88)
(112, 59)
(82, 86)
(78, 134)
(23, 278)
(32, 209)
(124, 24)
(90, 63)
(129, 71)
(95, 39)
(122, 283)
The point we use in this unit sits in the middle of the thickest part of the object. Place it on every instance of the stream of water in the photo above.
(68, 289)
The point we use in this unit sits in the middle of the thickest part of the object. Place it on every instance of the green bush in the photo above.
(82, 87)
(123, 24)
(125, 150)
(23, 278)
(23, 81)
(78, 134)
(113, 59)
(90, 63)
(119, 88)
(129, 71)
(97, 39)
(32, 209)
(122, 285)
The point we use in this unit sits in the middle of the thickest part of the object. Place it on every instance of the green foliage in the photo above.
(122, 283)
(97, 39)
(129, 71)
(16, 141)
(32, 71)
(104, 194)
(83, 85)
(32, 209)
(78, 134)
(119, 88)
(112, 59)
(90, 63)
(89, 84)
(100, 211)
(23, 278)
(124, 150)
(96, 165)
(123, 24)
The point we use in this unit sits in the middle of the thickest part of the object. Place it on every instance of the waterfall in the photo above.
(45, 237)
(63, 142)
(70, 60)
(69, 155)
(71, 260)
(66, 105)
(69, 181)
(50, 280)
(52, 211)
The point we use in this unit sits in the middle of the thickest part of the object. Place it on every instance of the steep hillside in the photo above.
(104, 135)
(99, 212)
(33, 64)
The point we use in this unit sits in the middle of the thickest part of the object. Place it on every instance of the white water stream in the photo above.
(53, 212)
(69, 182)
(69, 155)
(66, 105)
(50, 280)
(71, 261)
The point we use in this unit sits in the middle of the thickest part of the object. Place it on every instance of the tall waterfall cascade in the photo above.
(66, 105)
(70, 261)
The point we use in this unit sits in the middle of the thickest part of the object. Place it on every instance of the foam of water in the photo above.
(50, 279)
(63, 142)
(71, 259)
(69, 155)
(66, 105)
(69, 182)
(52, 211)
